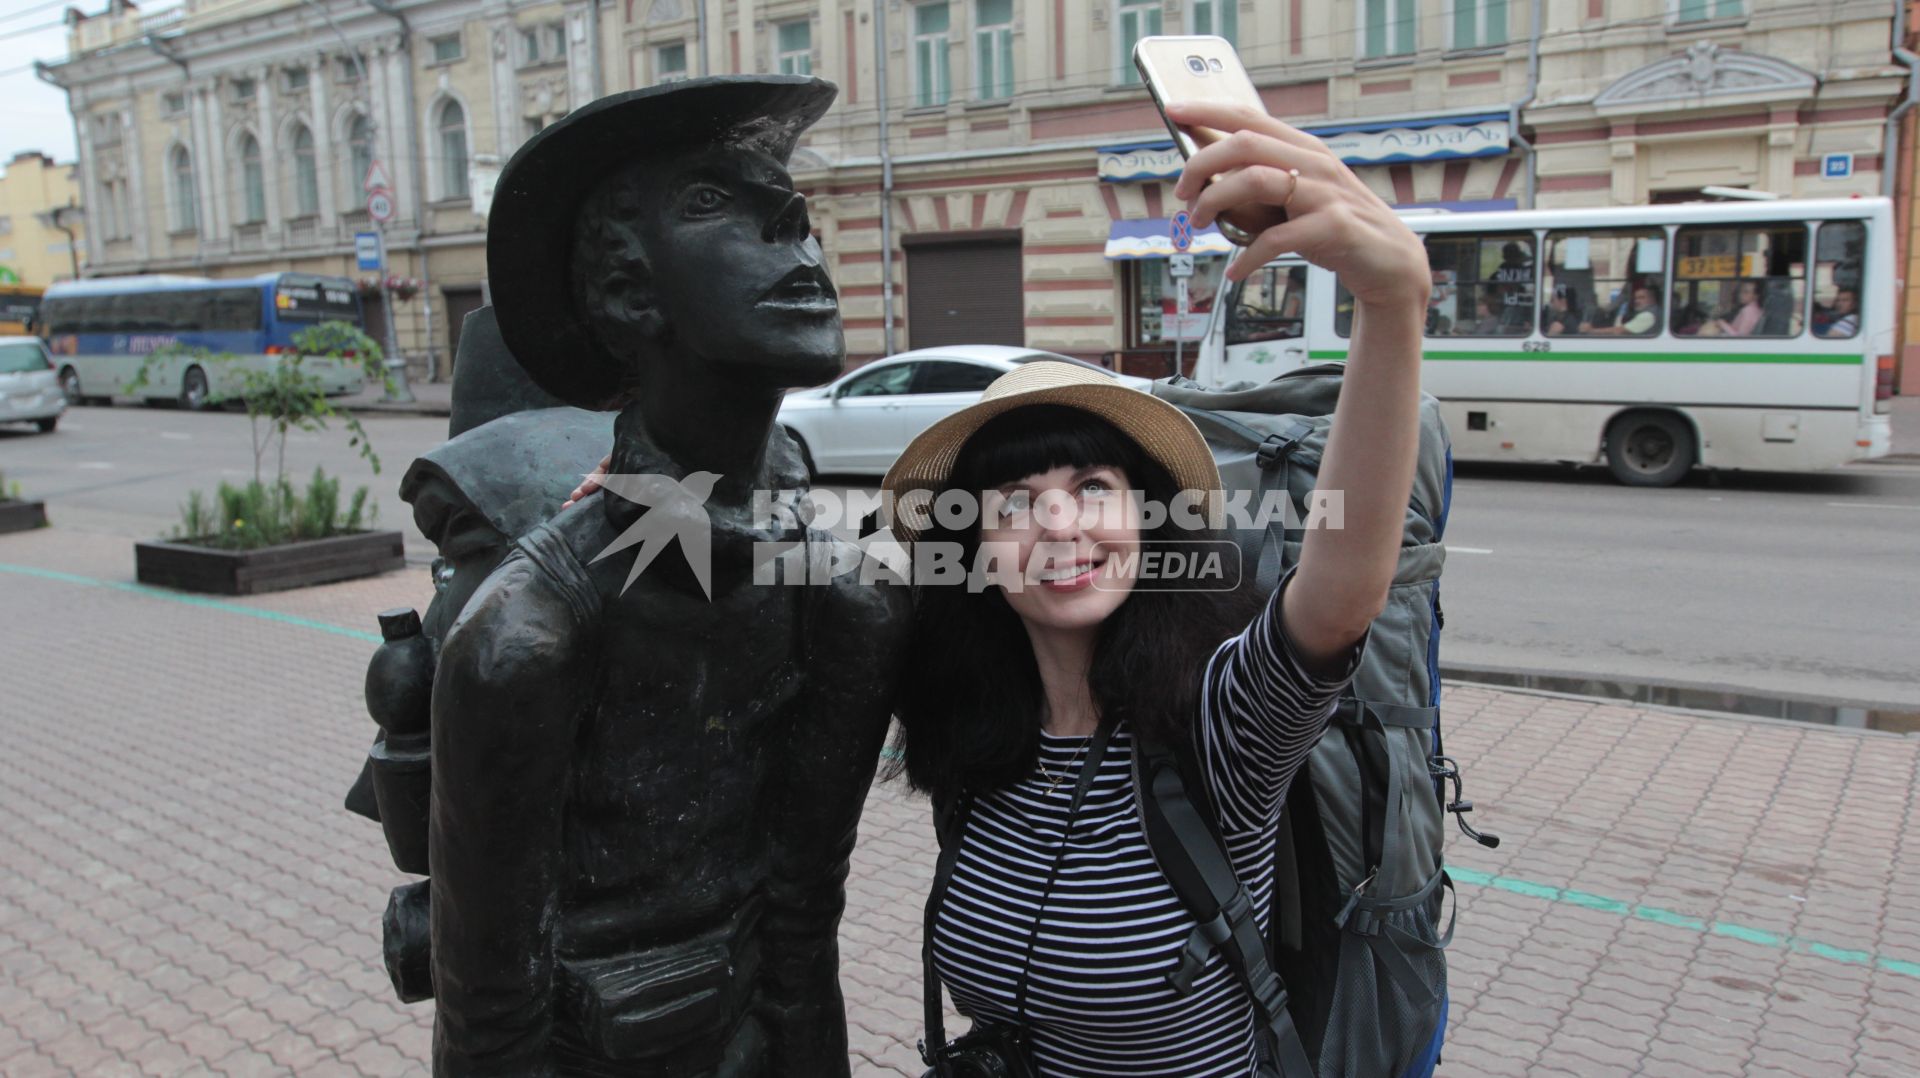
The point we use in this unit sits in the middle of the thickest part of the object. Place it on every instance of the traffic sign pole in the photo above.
(380, 208)
(1181, 233)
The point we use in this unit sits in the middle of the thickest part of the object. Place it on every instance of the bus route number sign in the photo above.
(380, 205)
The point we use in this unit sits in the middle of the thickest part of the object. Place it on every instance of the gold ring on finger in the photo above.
(1292, 187)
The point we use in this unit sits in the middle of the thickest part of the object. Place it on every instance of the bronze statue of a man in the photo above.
(644, 796)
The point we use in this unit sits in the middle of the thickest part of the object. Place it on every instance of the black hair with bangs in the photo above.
(972, 701)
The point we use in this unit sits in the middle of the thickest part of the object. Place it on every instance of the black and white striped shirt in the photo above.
(1097, 1001)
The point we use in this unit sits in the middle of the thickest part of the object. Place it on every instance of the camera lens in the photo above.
(1196, 65)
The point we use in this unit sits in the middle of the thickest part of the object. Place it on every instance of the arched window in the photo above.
(306, 174)
(453, 150)
(253, 181)
(186, 213)
(359, 152)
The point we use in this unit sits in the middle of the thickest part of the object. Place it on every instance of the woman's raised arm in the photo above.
(1336, 223)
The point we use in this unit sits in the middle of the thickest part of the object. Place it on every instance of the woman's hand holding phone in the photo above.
(1332, 219)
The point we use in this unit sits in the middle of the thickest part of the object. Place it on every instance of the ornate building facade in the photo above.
(1027, 181)
(232, 137)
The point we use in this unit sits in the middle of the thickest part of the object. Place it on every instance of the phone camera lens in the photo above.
(1214, 63)
(1196, 65)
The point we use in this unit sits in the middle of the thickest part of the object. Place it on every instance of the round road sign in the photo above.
(380, 205)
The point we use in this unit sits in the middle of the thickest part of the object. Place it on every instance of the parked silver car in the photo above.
(30, 390)
(858, 424)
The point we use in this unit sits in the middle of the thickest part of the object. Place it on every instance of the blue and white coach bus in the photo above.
(101, 331)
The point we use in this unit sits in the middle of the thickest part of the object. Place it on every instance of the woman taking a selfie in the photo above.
(1056, 930)
(1055, 921)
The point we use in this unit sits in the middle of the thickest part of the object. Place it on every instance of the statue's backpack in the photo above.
(1351, 982)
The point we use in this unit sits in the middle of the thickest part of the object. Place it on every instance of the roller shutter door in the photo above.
(964, 292)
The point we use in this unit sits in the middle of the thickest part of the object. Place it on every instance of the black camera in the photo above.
(988, 1050)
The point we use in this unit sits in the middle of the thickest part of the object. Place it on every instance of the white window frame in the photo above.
(357, 171)
(167, 109)
(1124, 73)
(938, 47)
(1481, 25)
(305, 183)
(251, 207)
(289, 74)
(995, 41)
(452, 181)
(1223, 11)
(459, 41)
(183, 192)
(793, 61)
(661, 75)
(1711, 18)
(1412, 22)
(250, 87)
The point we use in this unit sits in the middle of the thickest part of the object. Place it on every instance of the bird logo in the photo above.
(675, 507)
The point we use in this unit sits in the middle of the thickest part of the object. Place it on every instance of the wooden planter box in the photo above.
(22, 516)
(245, 572)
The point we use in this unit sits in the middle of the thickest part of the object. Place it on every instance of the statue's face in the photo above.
(735, 272)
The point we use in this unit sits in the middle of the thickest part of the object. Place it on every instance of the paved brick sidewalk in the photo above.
(1676, 895)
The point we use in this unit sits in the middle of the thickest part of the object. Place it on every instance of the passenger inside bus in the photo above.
(1486, 317)
(1562, 316)
(1842, 316)
(1746, 315)
(1642, 320)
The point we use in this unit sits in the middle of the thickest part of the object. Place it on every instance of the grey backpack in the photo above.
(1350, 981)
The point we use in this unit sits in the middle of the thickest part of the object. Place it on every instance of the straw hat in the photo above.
(1162, 431)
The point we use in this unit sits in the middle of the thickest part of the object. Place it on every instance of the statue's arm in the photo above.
(506, 699)
(854, 651)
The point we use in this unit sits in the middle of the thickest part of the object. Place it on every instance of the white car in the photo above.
(30, 390)
(858, 424)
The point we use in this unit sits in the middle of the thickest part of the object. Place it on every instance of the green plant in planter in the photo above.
(279, 398)
(10, 491)
(261, 514)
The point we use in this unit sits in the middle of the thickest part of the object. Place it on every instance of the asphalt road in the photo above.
(1800, 586)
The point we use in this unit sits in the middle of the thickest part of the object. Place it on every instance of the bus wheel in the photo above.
(70, 384)
(1650, 449)
(193, 389)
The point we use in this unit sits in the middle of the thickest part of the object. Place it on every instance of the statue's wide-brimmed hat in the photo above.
(530, 227)
(1162, 432)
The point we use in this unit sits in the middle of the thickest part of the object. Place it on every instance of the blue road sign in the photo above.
(1836, 166)
(1182, 230)
(366, 248)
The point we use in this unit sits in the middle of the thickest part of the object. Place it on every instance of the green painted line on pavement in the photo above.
(1470, 877)
(1757, 937)
(1821, 359)
(190, 600)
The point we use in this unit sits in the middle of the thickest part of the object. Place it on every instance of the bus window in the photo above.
(1604, 282)
(1270, 305)
(234, 310)
(1838, 262)
(1745, 281)
(1482, 285)
(314, 300)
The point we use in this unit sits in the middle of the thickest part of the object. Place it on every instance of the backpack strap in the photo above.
(1186, 844)
(1366, 917)
(949, 822)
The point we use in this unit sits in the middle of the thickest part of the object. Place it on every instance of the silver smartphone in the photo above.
(1197, 69)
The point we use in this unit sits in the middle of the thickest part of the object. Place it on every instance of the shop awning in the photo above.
(1431, 138)
(1152, 237)
(1374, 142)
